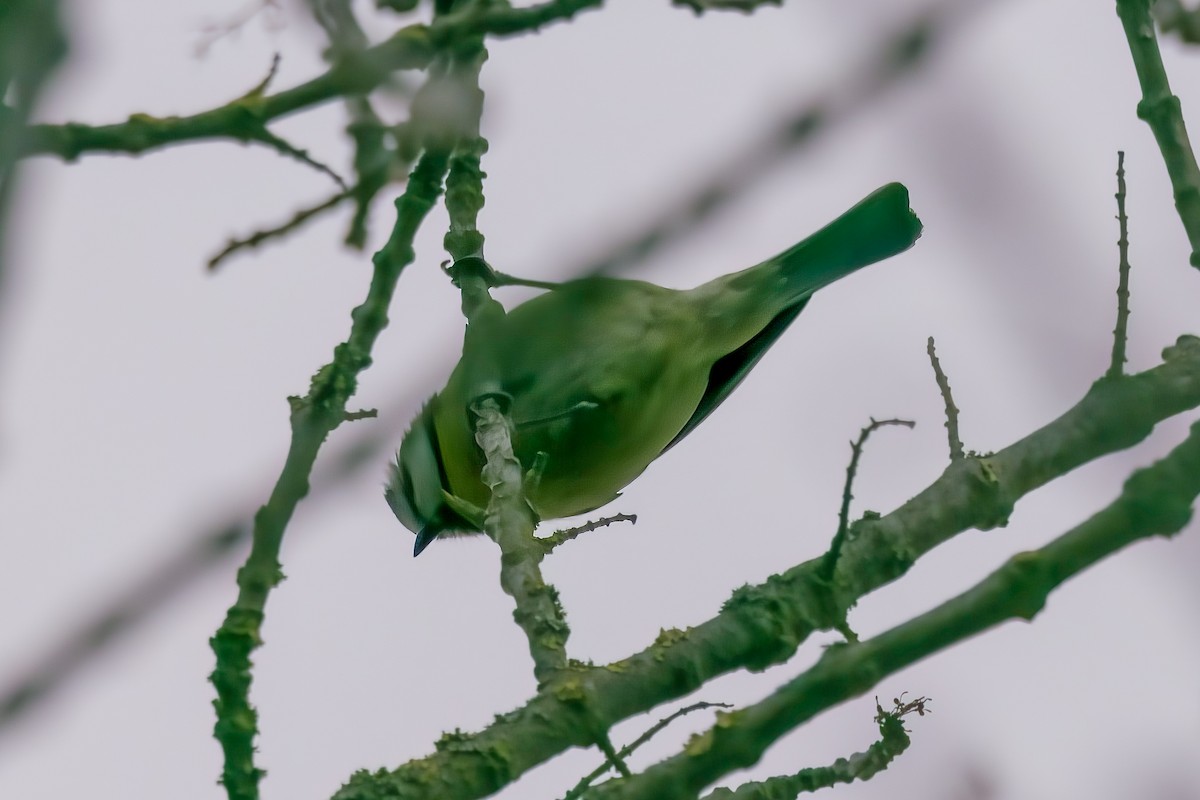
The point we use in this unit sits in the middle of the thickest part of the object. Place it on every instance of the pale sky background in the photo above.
(145, 398)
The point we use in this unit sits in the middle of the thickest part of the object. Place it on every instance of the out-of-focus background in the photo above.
(144, 399)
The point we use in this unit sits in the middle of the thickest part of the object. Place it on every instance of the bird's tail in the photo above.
(880, 226)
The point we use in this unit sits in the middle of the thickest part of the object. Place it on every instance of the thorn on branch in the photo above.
(261, 88)
(956, 445)
(366, 413)
(1120, 332)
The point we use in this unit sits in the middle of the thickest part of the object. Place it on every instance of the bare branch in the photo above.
(956, 445)
(1120, 332)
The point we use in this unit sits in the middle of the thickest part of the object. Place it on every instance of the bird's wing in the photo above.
(729, 370)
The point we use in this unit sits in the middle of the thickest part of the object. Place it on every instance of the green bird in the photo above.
(605, 375)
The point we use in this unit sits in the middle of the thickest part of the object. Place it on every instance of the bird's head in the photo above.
(418, 490)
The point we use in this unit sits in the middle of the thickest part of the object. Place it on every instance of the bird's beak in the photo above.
(423, 539)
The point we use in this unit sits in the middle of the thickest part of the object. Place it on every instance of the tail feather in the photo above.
(749, 310)
(881, 225)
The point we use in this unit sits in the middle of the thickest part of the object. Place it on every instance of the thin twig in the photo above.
(956, 445)
(260, 133)
(560, 537)
(856, 449)
(258, 237)
(586, 781)
(1117, 366)
(611, 757)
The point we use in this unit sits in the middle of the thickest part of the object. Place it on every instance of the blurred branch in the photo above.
(142, 596)
(214, 32)
(337, 19)
(888, 64)
(374, 162)
(207, 548)
(765, 624)
(1162, 112)
(412, 47)
(745, 6)
(1155, 501)
(1173, 18)
(32, 44)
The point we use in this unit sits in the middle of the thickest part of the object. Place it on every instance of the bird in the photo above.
(603, 375)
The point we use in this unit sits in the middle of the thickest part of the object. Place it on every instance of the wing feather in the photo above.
(731, 369)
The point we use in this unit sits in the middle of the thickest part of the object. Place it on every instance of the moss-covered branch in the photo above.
(765, 624)
(1156, 500)
(893, 741)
